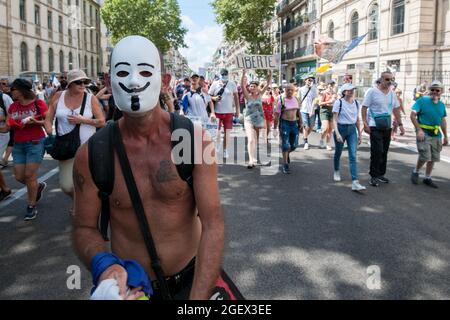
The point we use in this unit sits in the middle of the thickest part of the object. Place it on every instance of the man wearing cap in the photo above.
(195, 101)
(379, 104)
(428, 116)
(307, 94)
(224, 94)
(181, 89)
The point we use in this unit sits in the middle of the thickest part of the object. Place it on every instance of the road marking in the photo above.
(17, 195)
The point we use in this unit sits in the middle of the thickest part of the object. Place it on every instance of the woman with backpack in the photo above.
(254, 119)
(71, 107)
(347, 128)
(26, 116)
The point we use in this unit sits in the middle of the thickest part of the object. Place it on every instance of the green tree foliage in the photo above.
(157, 20)
(247, 20)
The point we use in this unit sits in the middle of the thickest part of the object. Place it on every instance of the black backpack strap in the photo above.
(185, 170)
(340, 106)
(2, 105)
(101, 165)
(133, 191)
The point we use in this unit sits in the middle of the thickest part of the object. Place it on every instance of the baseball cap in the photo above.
(347, 87)
(195, 76)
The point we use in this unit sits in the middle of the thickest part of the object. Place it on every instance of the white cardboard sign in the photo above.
(261, 62)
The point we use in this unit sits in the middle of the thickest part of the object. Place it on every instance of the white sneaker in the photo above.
(225, 154)
(356, 186)
(306, 147)
(329, 148)
(322, 144)
(337, 176)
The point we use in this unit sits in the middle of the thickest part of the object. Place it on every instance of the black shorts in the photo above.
(11, 138)
(180, 285)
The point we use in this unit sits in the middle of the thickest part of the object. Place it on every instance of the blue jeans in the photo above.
(289, 135)
(348, 133)
(28, 152)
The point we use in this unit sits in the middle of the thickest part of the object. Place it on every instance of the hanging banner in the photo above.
(255, 62)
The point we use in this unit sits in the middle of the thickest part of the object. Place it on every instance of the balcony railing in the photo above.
(302, 52)
(302, 20)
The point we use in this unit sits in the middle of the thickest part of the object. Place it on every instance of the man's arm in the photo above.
(398, 117)
(210, 251)
(364, 119)
(444, 130)
(236, 103)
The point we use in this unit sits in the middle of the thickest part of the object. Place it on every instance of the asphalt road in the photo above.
(300, 236)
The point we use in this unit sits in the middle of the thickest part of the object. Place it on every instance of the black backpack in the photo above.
(101, 163)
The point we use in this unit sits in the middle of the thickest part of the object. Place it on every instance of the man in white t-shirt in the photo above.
(379, 104)
(306, 96)
(5, 102)
(224, 94)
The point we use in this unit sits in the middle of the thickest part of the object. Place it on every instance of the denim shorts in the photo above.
(28, 152)
(308, 121)
(289, 135)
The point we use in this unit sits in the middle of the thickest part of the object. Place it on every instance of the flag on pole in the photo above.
(55, 81)
(333, 50)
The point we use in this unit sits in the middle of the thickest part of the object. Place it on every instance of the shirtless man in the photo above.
(170, 204)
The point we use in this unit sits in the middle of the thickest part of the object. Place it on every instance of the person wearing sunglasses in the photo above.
(428, 115)
(66, 107)
(26, 117)
(378, 106)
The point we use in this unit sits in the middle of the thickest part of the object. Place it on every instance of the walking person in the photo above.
(288, 117)
(26, 115)
(268, 104)
(73, 107)
(5, 102)
(379, 104)
(428, 115)
(195, 102)
(5, 152)
(224, 94)
(328, 98)
(398, 93)
(347, 129)
(307, 94)
(253, 115)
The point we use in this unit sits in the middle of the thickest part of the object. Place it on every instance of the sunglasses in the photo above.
(80, 82)
(388, 79)
(435, 90)
(3, 84)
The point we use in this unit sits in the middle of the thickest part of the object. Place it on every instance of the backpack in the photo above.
(340, 106)
(101, 164)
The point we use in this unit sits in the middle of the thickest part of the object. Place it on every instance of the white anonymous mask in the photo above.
(135, 75)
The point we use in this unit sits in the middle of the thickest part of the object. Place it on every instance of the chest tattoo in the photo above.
(165, 174)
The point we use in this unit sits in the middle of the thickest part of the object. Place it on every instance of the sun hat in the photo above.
(347, 87)
(75, 75)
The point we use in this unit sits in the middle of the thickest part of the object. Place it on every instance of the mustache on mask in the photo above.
(137, 90)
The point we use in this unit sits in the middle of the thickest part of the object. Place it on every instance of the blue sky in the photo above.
(204, 33)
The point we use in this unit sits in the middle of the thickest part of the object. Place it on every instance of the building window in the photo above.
(92, 67)
(305, 43)
(313, 37)
(394, 65)
(85, 39)
(373, 22)
(70, 61)
(38, 58)
(37, 15)
(22, 10)
(23, 57)
(92, 40)
(351, 66)
(49, 20)
(398, 16)
(86, 67)
(371, 65)
(51, 61)
(61, 61)
(354, 25)
(331, 29)
(60, 24)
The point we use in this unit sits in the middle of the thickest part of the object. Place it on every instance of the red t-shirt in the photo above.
(27, 132)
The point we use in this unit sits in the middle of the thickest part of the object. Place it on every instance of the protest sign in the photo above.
(261, 62)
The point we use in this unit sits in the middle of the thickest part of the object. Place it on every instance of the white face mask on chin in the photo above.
(135, 75)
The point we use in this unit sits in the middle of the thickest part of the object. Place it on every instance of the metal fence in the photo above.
(442, 76)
